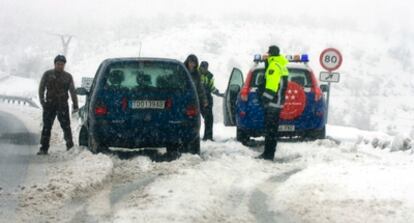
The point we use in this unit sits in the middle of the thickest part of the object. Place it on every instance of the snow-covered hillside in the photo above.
(376, 85)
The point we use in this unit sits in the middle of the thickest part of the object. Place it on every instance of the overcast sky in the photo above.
(57, 12)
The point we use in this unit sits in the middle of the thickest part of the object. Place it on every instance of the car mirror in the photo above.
(324, 88)
(81, 91)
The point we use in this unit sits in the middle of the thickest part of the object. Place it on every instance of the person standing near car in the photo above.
(191, 63)
(207, 79)
(273, 97)
(53, 94)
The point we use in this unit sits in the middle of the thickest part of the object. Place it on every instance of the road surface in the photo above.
(17, 149)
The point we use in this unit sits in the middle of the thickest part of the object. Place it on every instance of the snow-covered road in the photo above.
(320, 181)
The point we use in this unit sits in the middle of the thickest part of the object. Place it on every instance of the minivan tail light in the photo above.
(168, 103)
(101, 111)
(124, 104)
(244, 93)
(191, 111)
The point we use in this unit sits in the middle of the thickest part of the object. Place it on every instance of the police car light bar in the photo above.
(258, 58)
(304, 58)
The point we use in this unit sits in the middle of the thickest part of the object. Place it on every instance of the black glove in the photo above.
(220, 94)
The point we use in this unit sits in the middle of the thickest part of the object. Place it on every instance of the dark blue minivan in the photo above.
(141, 102)
(304, 113)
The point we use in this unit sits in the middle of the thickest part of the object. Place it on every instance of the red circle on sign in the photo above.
(339, 59)
(295, 102)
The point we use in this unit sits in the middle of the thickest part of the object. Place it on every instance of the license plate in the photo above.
(146, 104)
(286, 128)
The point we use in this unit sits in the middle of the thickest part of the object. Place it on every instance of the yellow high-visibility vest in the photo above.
(275, 71)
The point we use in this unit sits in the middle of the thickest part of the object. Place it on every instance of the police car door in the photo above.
(229, 102)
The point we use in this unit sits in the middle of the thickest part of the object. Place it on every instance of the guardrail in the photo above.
(18, 100)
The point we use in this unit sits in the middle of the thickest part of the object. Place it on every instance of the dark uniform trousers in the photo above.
(208, 121)
(271, 131)
(50, 111)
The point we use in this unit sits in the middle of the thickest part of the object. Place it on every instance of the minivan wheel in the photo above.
(171, 148)
(242, 136)
(83, 137)
(95, 147)
(192, 147)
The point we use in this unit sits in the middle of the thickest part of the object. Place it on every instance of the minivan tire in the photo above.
(95, 147)
(192, 147)
(83, 137)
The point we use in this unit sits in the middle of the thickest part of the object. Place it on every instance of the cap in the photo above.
(204, 64)
(60, 58)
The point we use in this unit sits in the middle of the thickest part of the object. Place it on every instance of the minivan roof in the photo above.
(127, 59)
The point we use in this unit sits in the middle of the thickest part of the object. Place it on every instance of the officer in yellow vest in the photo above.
(273, 97)
(207, 79)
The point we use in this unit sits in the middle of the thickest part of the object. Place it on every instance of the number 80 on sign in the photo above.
(330, 59)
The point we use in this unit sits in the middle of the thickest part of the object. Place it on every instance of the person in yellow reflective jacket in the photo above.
(207, 79)
(273, 97)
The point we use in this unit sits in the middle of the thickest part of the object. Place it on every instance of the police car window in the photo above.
(145, 75)
(299, 76)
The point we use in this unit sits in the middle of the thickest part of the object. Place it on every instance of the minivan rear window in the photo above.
(138, 75)
(300, 76)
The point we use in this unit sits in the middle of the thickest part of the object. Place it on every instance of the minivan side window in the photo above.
(299, 76)
(140, 75)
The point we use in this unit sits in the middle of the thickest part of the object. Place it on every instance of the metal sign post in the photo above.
(330, 59)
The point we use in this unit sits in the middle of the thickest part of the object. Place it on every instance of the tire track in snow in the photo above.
(87, 210)
(258, 200)
(129, 176)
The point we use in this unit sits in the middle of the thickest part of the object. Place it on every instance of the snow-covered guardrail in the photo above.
(18, 100)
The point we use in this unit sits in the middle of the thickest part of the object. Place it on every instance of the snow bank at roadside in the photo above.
(349, 192)
(18, 86)
(31, 117)
(206, 191)
(398, 142)
(321, 181)
(69, 175)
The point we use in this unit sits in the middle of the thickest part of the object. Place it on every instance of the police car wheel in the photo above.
(317, 134)
(242, 136)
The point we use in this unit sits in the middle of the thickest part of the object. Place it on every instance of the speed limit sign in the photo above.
(330, 59)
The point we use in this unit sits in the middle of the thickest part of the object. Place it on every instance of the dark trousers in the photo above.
(50, 111)
(271, 131)
(208, 122)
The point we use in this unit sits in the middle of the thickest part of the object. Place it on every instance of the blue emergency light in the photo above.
(304, 58)
(257, 58)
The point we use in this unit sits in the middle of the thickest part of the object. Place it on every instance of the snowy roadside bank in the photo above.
(68, 175)
(310, 182)
(31, 117)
